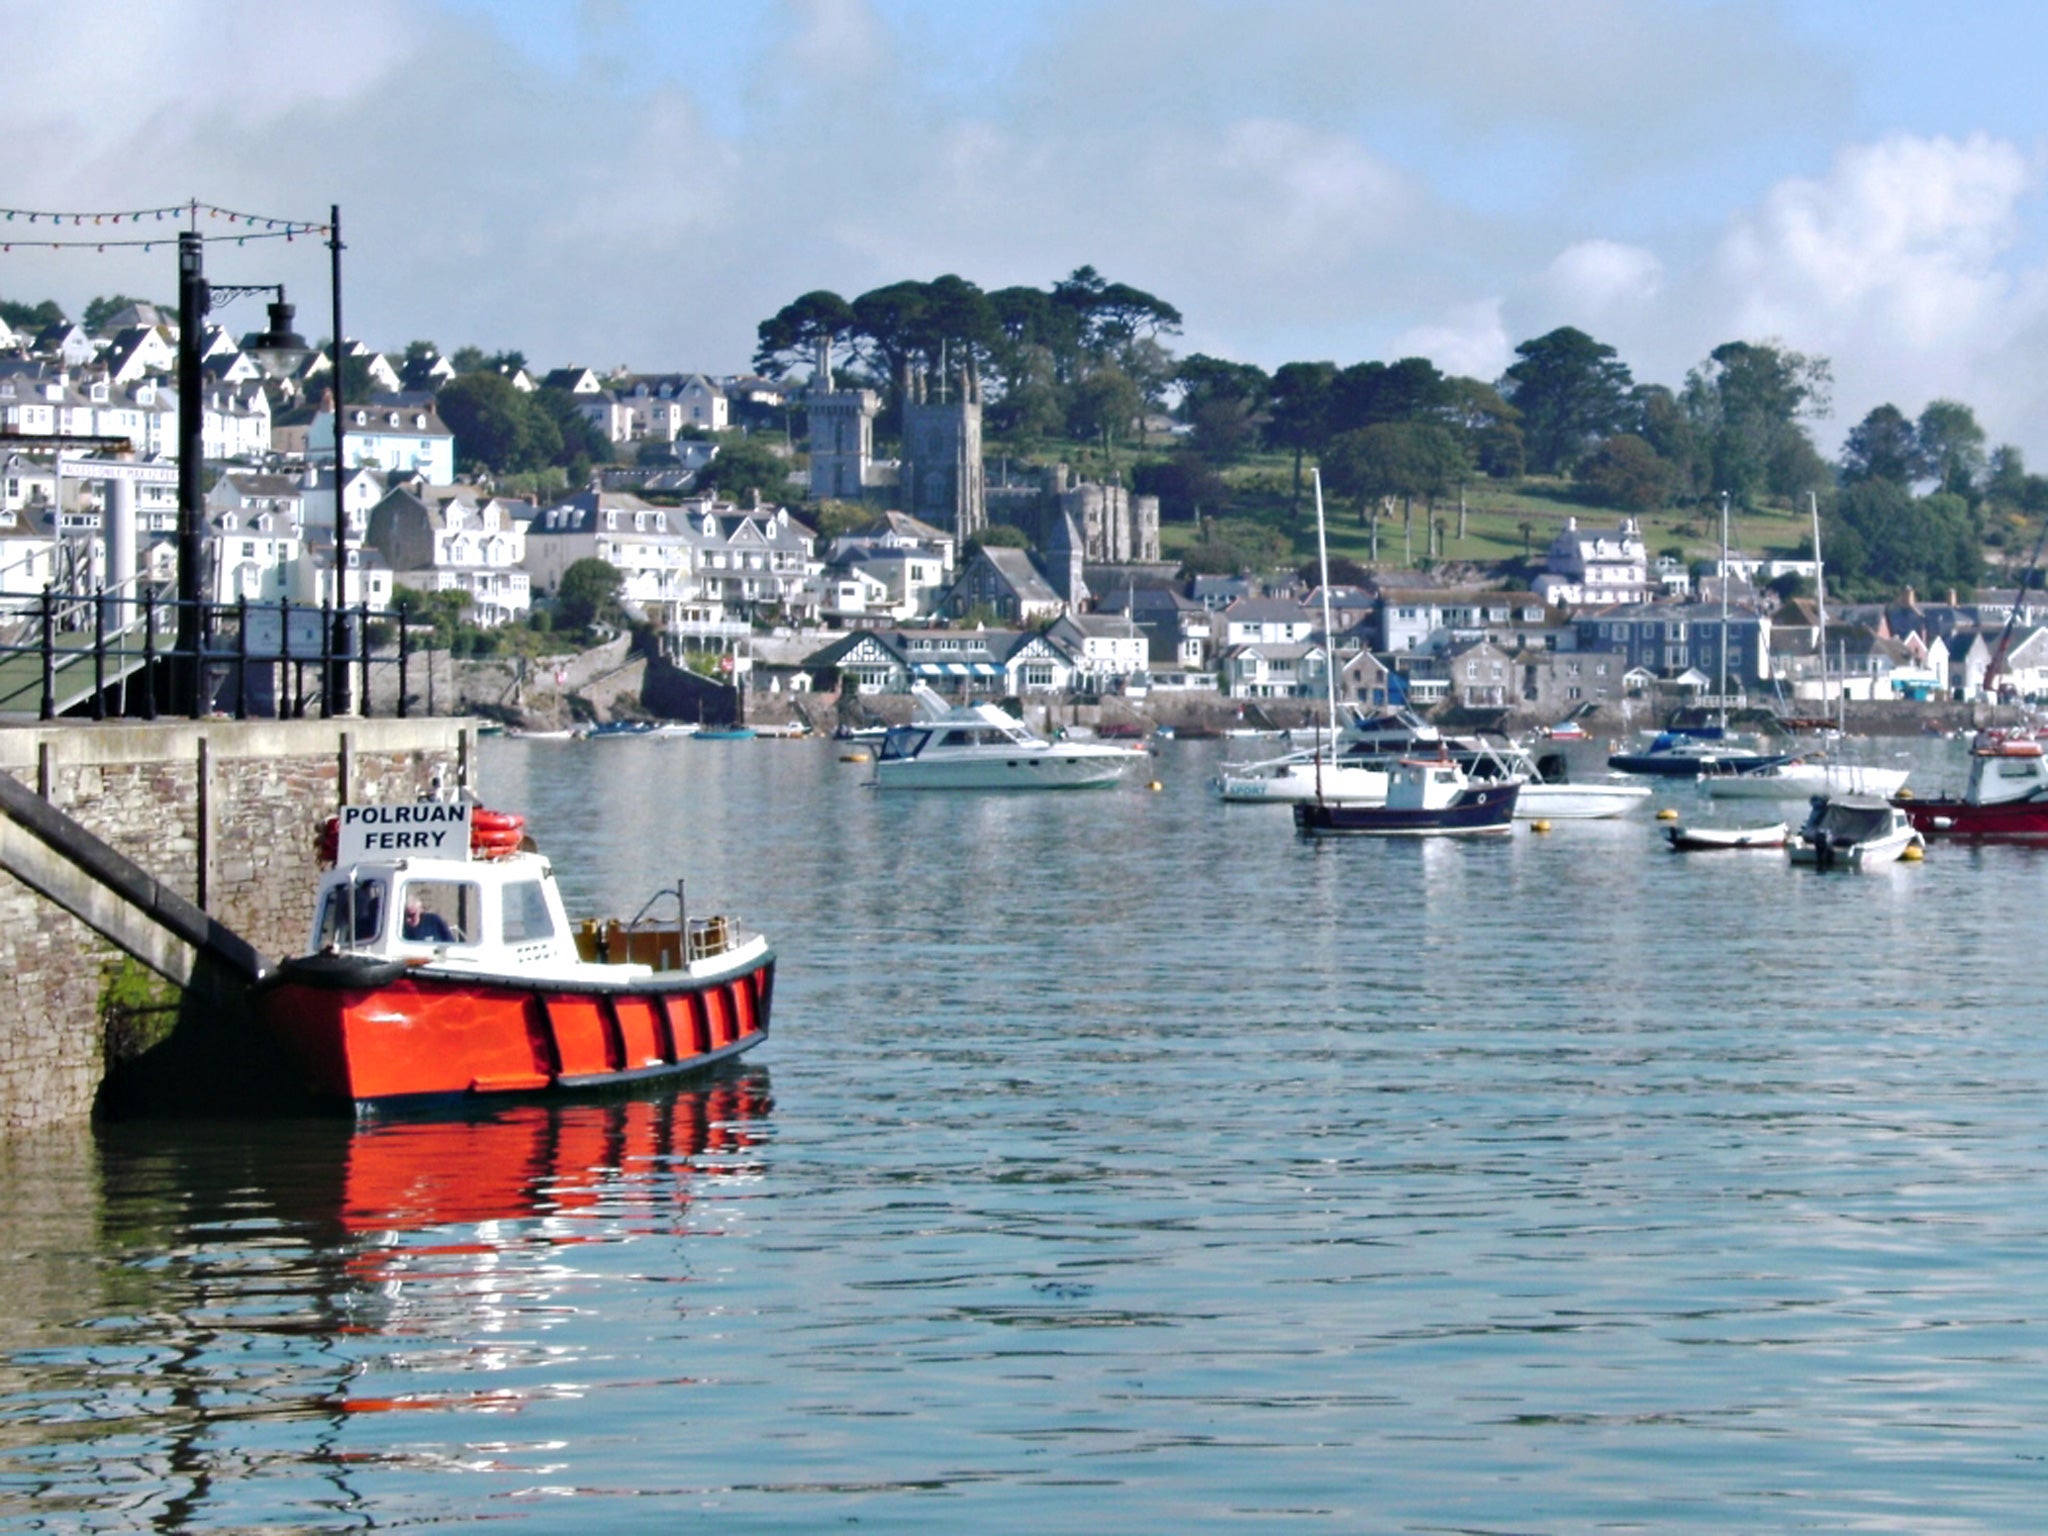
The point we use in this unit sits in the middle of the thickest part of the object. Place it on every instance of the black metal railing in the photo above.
(143, 653)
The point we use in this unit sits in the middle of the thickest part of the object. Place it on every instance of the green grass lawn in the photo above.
(1494, 522)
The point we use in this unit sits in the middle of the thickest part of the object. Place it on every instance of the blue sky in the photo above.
(630, 182)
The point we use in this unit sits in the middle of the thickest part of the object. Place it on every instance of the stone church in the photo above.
(942, 479)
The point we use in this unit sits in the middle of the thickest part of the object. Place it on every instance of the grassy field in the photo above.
(1494, 523)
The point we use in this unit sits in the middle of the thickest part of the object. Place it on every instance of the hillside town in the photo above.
(914, 589)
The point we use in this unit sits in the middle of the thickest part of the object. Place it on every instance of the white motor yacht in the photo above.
(980, 746)
(1802, 779)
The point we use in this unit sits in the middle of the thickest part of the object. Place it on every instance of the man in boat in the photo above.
(422, 926)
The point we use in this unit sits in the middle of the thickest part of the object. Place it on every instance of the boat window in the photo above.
(903, 742)
(440, 912)
(355, 907)
(526, 913)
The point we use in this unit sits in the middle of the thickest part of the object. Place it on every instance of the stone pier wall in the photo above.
(223, 812)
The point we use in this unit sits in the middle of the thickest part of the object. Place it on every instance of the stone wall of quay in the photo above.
(223, 812)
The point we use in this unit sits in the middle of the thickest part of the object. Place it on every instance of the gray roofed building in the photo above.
(1007, 584)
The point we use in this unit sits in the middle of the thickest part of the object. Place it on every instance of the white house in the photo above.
(649, 546)
(445, 540)
(1596, 567)
(1268, 621)
(392, 433)
(1111, 649)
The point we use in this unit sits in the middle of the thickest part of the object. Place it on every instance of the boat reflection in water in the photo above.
(332, 1283)
(633, 1155)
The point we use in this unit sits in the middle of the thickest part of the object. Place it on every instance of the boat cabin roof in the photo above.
(1852, 818)
(495, 914)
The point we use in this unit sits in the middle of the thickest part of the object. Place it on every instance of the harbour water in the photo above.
(1118, 1160)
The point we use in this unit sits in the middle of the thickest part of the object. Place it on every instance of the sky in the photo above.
(639, 183)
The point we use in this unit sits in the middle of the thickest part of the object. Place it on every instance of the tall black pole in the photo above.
(337, 670)
(192, 307)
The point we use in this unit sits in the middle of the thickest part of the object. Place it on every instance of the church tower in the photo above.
(942, 474)
(841, 424)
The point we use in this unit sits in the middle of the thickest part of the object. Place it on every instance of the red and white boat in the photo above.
(442, 965)
(2005, 800)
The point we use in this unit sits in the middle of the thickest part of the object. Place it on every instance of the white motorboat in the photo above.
(1549, 793)
(1355, 773)
(1855, 832)
(1802, 779)
(980, 746)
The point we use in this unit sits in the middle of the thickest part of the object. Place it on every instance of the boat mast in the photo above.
(1329, 640)
(1820, 616)
(1724, 610)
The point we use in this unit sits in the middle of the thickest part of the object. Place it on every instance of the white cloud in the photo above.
(1907, 234)
(1471, 342)
(1598, 279)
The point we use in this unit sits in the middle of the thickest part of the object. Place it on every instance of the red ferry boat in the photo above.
(442, 965)
(2005, 800)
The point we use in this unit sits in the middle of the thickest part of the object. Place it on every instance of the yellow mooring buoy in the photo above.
(1539, 826)
(1912, 855)
(853, 757)
(1155, 786)
(1667, 814)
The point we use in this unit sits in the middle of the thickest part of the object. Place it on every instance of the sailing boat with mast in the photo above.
(1804, 776)
(1425, 796)
(1690, 754)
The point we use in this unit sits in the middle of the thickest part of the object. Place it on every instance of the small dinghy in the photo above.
(1712, 839)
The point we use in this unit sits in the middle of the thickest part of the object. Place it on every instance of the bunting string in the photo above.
(24, 227)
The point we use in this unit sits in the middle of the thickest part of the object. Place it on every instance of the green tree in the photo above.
(1298, 418)
(1187, 485)
(30, 317)
(1797, 468)
(745, 467)
(589, 596)
(837, 519)
(1572, 392)
(1660, 420)
(443, 612)
(1221, 402)
(1403, 459)
(1490, 428)
(1745, 401)
(1105, 403)
(577, 441)
(1951, 446)
(816, 324)
(1882, 446)
(2006, 475)
(1624, 472)
(496, 427)
(1880, 539)
(1368, 394)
